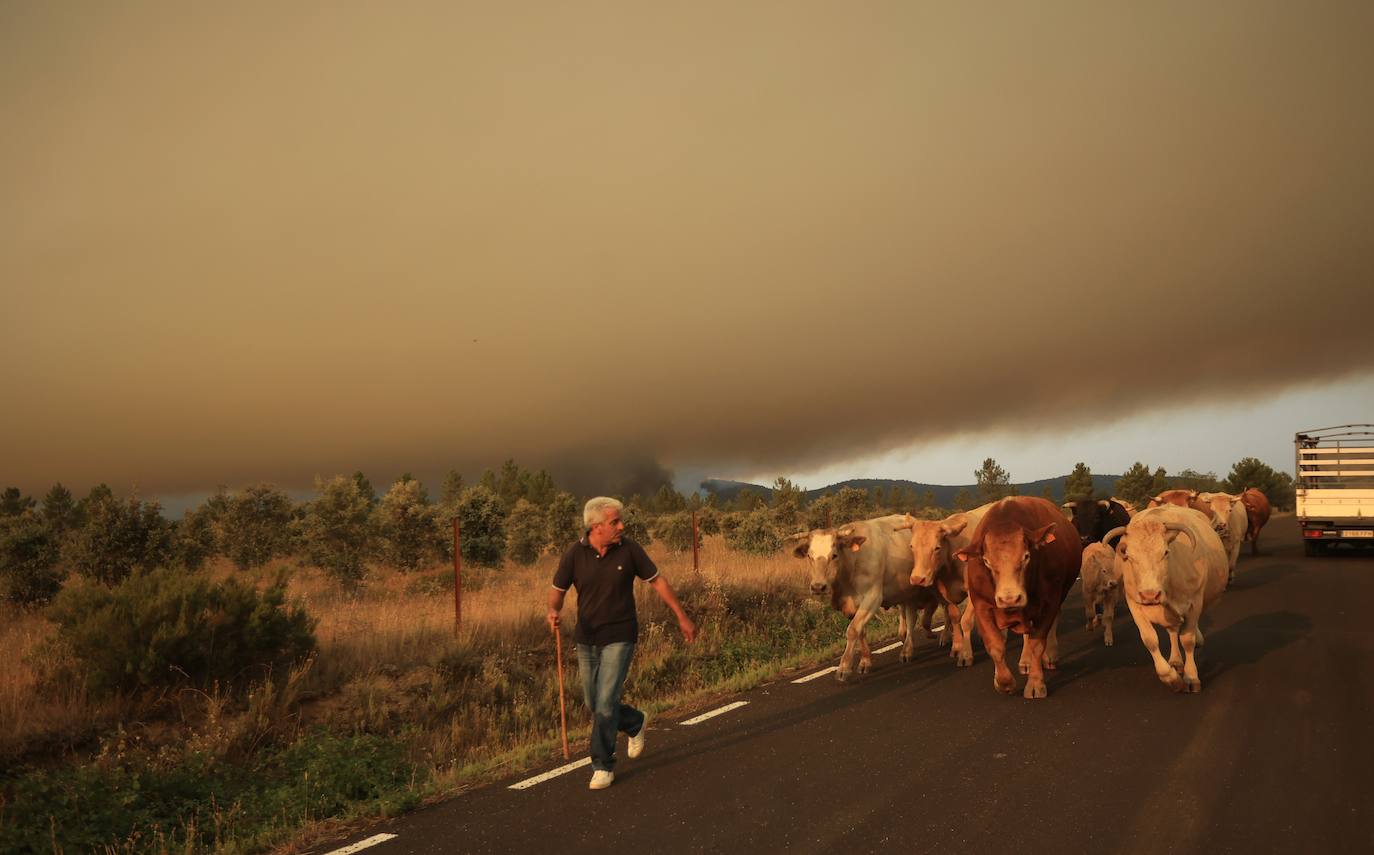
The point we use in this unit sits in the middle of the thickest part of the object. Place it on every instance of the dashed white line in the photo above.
(821, 673)
(893, 646)
(713, 713)
(552, 773)
(363, 844)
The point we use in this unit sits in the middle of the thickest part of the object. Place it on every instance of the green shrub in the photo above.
(165, 627)
(483, 526)
(525, 532)
(336, 531)
(118, 537)
(675, 531)
(563, 522)
(407, 525)
(756, 534)
(255, 526)
(636, 524)
(28, 551)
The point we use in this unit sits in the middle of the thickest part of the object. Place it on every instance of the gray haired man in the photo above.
(603, 566)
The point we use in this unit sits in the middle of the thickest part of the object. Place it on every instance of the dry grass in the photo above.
(389, 668)
(384, 636)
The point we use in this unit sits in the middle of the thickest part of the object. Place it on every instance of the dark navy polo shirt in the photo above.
(605, 589)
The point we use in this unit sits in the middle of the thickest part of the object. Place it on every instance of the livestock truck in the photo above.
(1335, 486)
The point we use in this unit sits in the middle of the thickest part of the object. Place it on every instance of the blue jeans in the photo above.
(603, 669)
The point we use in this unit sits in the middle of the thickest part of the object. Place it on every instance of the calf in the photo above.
(1021, 561)
(1101, 587)
(934, 563)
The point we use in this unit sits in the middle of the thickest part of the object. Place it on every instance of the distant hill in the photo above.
(727, 491)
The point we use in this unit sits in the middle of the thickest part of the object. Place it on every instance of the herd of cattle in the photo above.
(1009, 565)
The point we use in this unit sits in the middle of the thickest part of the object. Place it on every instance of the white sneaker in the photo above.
(636, 745)
(601, 779)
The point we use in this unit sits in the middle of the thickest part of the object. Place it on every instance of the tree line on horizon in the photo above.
(511, 513)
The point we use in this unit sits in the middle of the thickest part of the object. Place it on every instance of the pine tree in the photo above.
(964, 500)
(59, 510)
(13, 502)
(1079, 484)
(1248, 472)
(1135, 485)
(993, 481)
(453, 488)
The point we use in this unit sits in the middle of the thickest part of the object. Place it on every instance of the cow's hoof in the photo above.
(1006, 688)
(844, 676)
(865, 666)
(907, 655)
(1173, 681)
(1107, 642)
(1034, 691)
(963, 660)
(1193, 686)
(1051, 665)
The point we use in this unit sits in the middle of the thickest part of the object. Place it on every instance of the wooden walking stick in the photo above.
(562, 705)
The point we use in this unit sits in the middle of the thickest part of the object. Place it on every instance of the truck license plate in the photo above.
(1358, 533)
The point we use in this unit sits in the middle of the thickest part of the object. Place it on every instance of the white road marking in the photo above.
(820, 673)
(363, 844)
(713, 713)
(552, 773)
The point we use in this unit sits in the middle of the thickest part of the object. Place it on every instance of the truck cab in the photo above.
(1335, 486)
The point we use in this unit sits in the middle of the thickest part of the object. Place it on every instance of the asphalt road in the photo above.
(1273, 756)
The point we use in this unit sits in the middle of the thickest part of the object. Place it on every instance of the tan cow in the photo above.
(864, 566)
(1231, 510)
(934, 563)
(1172, 566)
(1101, 587)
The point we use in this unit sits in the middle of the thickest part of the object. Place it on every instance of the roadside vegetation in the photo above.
(261, 671)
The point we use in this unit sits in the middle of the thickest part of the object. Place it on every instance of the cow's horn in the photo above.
(1181, 529)
(797, 536)
(1113, 534)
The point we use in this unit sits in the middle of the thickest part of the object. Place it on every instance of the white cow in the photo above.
(1233, 523)
(1101, 587)
(1172, 566)
(864, 566)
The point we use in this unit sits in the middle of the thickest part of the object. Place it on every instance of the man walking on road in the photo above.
(602, 565)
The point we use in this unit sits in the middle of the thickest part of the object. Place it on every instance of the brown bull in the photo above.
(1257, 514)
(1023, 558)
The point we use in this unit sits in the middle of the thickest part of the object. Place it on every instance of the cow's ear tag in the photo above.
(854, 547)
(1049, 538)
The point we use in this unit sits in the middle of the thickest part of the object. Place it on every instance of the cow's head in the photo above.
(824, 550)
(1006, 553)
(930, 545)
(1087, 517)
(1219, 505)
(1143, 553)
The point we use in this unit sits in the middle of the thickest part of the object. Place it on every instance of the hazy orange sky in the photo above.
(252, 241)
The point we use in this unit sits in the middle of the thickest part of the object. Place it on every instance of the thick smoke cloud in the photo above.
(239, 246)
